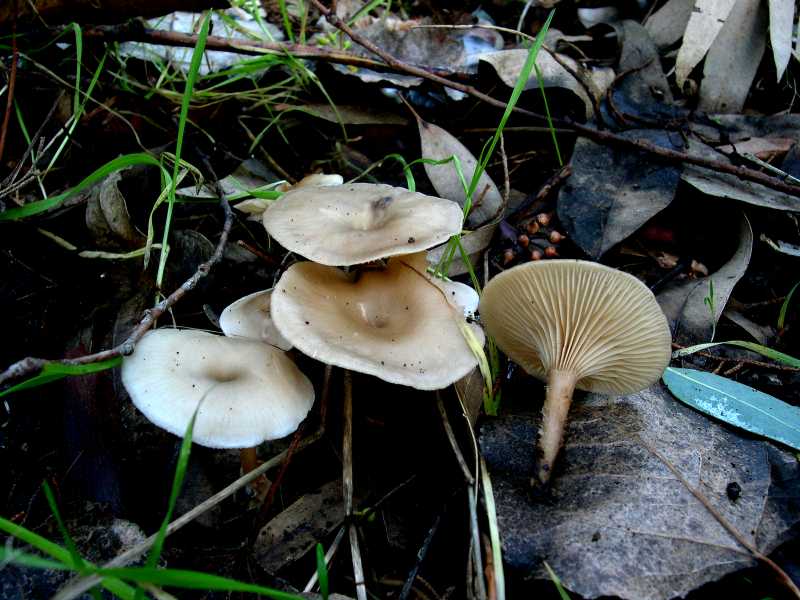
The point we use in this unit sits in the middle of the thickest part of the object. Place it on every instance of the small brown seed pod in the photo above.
(532, 227)
(536, 255)
(508, 256)
(555, 237)
(550, 252)
(543, 219)
(523, 240)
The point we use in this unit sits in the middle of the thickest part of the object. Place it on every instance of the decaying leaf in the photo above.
(763, 334)
(349, 115)
(249, 175)
(685, 305)
(733, 60)
(508, 65)
(474, 244)
(612, 193)
(781, 19)
(619, 523)
(107, 214)
(438, 144)
(295, 531)
(667, 24)
(705, 22)
(723, 185)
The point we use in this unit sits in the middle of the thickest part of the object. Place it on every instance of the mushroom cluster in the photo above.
(391, 320)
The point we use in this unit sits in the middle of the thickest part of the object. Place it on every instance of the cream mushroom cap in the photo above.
(250, 391)
(360, 222)
(599, 323)
(392, 323)
(249, 317)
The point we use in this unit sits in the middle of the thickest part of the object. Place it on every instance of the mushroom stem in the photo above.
(249, 460)
(560, 386)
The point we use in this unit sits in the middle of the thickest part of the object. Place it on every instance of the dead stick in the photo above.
(31, 365)
(780, 573)
(743, 361)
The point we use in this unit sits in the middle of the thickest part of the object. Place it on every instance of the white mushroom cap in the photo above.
(250, 391)
(392, 323)
(359, 222)
(601, 324)
(249, 317)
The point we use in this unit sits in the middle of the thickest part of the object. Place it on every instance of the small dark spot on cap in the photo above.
(411, 240)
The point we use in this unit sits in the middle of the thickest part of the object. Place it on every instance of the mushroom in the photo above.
(359, 222)
(249, 317)
(247, 391)
(576, 324)
(394, 322)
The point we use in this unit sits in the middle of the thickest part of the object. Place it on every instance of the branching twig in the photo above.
(31, 365)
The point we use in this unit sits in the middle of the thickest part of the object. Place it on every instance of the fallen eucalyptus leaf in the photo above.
(438, 144)
(684, 302)
(474, 244)
(736, 404)
(781, 19)
(618, 523)
(249, 176)
(724, 185)
(349, 115)
(705, 23)
(782, 247)
(508, 65)
(763, 334)
(612, 193)
(667, 24)
(733, 60)
(296, 530)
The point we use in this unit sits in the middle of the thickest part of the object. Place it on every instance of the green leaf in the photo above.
(785, 306)
(54, 371)
(562, 593)
(736, 404)
(763, 350)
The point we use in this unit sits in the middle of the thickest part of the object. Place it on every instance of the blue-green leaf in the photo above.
(54, 371)
(736, 404)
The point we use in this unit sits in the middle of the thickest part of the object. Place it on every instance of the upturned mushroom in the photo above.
(395, 323)
(247, 391)
(249, 317)
(575, 324)
(359, 222)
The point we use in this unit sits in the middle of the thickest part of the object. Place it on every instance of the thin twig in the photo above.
(328, 557)
(421, 554)
(31, 365)
(780, 573)
(448, 429)
(347, 485)
(81, 585)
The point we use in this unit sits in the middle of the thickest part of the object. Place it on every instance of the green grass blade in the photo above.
(785, 307)
(562, 593)
(13, 556)
(322, 572)
(54, 371)
(763, 350)
(75, 557)
(39, 206)
(191, 78)
(540, 79)
(193, 580)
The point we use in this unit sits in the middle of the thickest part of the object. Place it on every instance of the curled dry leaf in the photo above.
(438, 144)
(107, 214)
(474, 243)
(733, 60)
(638, 531)
(685, 303)
(508, 65)
(705, 22)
